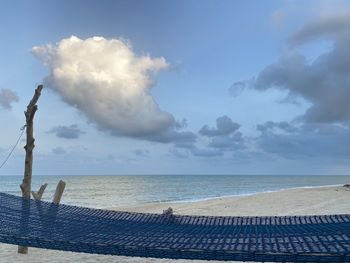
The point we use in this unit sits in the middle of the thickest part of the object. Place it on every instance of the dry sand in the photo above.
(323, 200)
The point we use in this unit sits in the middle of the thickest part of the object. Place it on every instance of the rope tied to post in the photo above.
(22, 129)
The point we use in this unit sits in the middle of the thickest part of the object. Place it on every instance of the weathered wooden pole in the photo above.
(27, 179)
(38, 195)
(59, 192)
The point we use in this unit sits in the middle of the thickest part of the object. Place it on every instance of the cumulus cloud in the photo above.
(67, 132)
(324, 83)
(108, 82)
(224, 126)
(219, 140)
(323, 131)
(7, 97)
(321, 140)
(223, 138)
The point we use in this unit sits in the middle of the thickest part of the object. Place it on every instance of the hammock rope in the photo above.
(14, 147)
(276, 239)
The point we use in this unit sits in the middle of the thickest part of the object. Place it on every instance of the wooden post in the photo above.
(59, 192)
(27, 178)
(39, 194)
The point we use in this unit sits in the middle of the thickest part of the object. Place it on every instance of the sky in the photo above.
(177, 87)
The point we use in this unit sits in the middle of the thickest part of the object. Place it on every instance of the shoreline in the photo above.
(241, 195)
(292, 201)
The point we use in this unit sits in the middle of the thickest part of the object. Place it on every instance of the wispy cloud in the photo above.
(7, 97)
(58, 150)
(67, 132)
(141, 153)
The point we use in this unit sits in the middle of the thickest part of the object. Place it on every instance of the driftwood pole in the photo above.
(59, 192)
(27, 179)
(39, 194)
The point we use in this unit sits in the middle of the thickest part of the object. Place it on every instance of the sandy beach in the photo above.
(301, 201)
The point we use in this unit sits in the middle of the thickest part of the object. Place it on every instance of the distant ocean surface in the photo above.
(117, 191)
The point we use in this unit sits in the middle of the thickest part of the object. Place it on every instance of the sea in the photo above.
(114, 191)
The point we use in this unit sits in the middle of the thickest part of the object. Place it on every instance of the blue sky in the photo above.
(178, 87)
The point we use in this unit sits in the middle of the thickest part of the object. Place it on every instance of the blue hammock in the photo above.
(70, 228)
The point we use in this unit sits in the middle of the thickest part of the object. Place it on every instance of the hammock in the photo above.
(70, 228)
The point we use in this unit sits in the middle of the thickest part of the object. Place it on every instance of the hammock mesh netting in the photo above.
(78, 229)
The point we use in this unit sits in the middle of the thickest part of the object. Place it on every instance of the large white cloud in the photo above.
(108, 82)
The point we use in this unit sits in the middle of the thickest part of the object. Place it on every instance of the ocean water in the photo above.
(118, 191)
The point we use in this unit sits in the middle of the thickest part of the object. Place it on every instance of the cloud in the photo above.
(7, 97)
(234, 142)
(141, 153)
(327, 141)
(177, 137)
(181, 124)
(108, 82)
(67, 132)
(224, 126)
(58, 150)
(271, 126)
(181, 154)
(237, 88)
(333, 26)
(278, 18)
(323, 131)
(206, 152)
(325, 82)
(224, 137)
